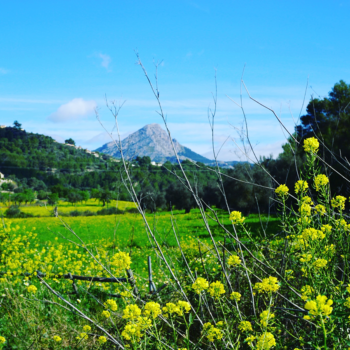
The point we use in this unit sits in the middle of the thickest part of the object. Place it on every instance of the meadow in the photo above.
(218, 280)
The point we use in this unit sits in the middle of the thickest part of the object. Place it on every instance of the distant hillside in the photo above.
(26, 154)
(151, 141)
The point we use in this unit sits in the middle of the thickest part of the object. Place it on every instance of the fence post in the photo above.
(152, 287)
(131, 280)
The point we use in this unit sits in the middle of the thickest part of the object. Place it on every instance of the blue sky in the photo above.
(58, 59)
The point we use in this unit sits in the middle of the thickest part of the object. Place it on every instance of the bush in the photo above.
(14, 212)
(109, 211)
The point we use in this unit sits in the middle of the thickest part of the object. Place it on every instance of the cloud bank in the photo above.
(75, 109)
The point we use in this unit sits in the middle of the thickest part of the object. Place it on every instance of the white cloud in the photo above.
(73, 110)
(106, 60)
(3, 71)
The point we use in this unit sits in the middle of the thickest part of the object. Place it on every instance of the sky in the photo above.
(61, 59)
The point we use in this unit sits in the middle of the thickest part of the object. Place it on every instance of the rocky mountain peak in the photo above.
(152, 141)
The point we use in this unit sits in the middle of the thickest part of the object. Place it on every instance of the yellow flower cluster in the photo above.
(200, 284)
(320, 209)
(319, 307)
(102, 339)
(234, 260)
(320, 181)
(301, 186)
(307, 292)
(131, 312)
(268, 285)
(2, 340)
(265, 317)
(311, 145)
(179, 309)
(338, 202)
(282, 190)
(216, 289)
(327, 229)
(111, 304)
(82, 336)
(305, 258)
(235, 296)
(131, 330)
(106, 314)
(212, 333)
(86, 328)
(236, 217)
(57, 338)
(120, 262)
(347, 303)
(320, 263)
(313, 234)
(305, 209)
(245, 326)
(152, 309)
(266, 341)
(32, 289)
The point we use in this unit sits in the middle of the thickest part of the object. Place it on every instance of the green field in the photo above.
(129, 229)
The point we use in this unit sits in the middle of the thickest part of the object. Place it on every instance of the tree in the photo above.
(17, 125)
(74, 197)
(70, 141)
(53, 199)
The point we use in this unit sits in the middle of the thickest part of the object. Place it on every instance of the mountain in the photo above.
(151, 141)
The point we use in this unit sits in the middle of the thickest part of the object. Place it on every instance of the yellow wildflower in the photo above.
(2, 340)
(301, 186)
(319, 307)
(32, 289)
(320, 263)
(311, 145)
(245, 326)
(305, 209)
(57, 338)
(200, 284)
(131, 312)
(235, 296)
(102, 339)
(320, 209)
(282, 190)
(152, 309)
(87, 328)
(347, 303)
(266, 341)
(305, 258)
(183, 306)
(216, 289)
(265, 317)
(338, 202)
(83, 336)
(250, 340)
(233, 260)
(326, 229)
(306, 291)
(106, 314)
(212, 332)
(236, 217)
(111, 304)
(320, 181)
(268, 285)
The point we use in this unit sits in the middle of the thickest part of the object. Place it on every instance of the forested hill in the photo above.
(23, 153)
